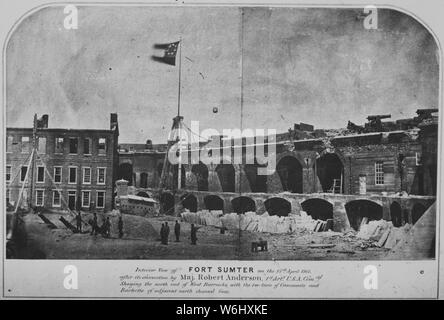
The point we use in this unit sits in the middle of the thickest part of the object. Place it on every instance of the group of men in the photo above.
(105, 229)
(165, 232)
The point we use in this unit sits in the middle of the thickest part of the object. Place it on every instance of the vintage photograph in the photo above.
(221, 133)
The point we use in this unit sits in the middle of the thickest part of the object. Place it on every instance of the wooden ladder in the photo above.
(337, 186)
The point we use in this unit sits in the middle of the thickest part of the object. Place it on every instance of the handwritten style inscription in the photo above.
(217, 281)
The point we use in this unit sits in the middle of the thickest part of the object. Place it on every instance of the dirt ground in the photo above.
(141, 240)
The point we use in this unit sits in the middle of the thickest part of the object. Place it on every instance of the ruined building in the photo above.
(78, 168)
(382, 170)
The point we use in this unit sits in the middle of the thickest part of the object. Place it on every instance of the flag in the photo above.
(170, 52)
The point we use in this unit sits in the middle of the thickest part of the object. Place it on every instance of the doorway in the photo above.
(72, 200)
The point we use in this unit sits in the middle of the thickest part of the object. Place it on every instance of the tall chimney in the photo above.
(114, 125)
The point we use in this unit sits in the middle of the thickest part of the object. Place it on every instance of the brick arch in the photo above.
(277, 206)
(396, 214)
(359, 209)
(243, 204)
(201, 172)
(318, 208)
(290, 172)
(213, 202)
(189, 201)
(257, 183)
(329, 166)
(227, 177)
(293, 154)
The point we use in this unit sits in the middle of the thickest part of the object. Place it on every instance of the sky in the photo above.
(261, 68)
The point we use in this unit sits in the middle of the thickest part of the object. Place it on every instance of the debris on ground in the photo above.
(250, 221)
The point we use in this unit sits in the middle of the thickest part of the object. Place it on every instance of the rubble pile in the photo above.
(250, 221)
(382, 233)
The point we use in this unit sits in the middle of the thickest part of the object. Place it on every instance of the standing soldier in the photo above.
(107, 227)
(193, 234)
(120, 227)
(79, 222)
(162, 233)
(167, 232)
(177, 230)
(94, 225)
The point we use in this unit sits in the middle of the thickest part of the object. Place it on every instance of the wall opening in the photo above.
(328, 169)
(417, 212)
(201, 172)
(243, 204)
(360, 209)
(258, 183)
(125, 171)
(396, 214)
(167, 203)
(278, 207)
(318, 208)
(143, 194)
(226, 175)
(214, 203)
(290, 172)
(189, 202)
(144, 180)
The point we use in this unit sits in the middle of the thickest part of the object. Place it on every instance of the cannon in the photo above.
(424, 114)
(374, 122)
(379, 117)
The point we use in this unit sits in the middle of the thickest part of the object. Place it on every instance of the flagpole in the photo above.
(180, 73)
(179, 169)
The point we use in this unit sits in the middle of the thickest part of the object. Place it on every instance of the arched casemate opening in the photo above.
(258, 183)
(227, 178)
(189, 202)
(330, 171)
(396, 214)
(201, 172)
(278, 207)
(290, 172)
(318, 208)
(125, 171)
(167, 203)
(357, 210)
(243, 204)
(213, 202)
